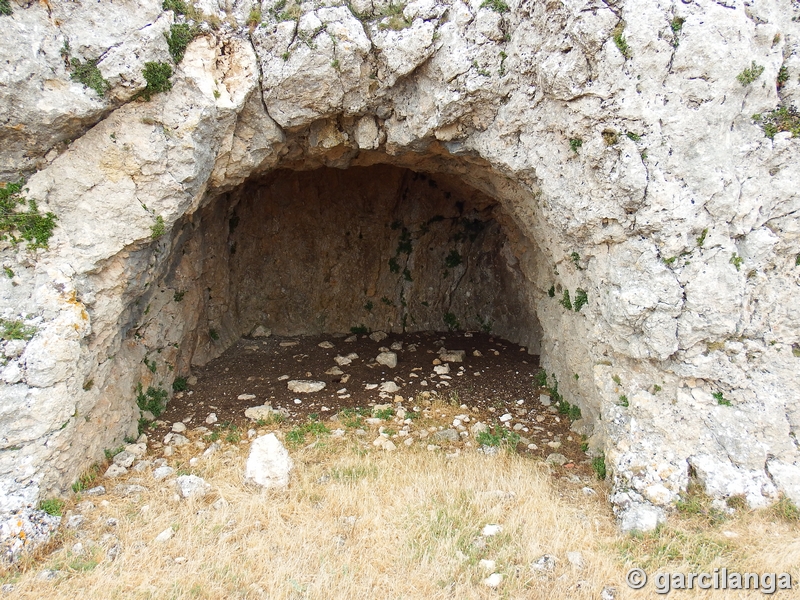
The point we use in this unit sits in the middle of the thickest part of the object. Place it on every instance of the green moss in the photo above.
(89, 75)
(178, 38)
(52, 506)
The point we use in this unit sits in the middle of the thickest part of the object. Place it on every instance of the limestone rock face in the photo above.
(644, 229)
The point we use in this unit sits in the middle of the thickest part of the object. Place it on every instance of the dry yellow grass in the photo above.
(357, 522)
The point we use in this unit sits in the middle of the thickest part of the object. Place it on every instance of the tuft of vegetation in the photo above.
(782, 118)
(394, 266)
(575, 143)
(540, 379)
(565, 301)
(178, 296)
(154, 400)
(721, 400)
(89, 75)
(213, 334)
(15, 329)
(384, 413)
(702, 239)
(397, 20)
(179, 37)
(359, 330)
(86, 479)
(254, 18)
(52, 506)
(623, 401)
(581, 298)
(5, 8)
(750, 74)
(297, 435)
(23, 225)
(599, 466)
(451, 321)
(676, 25)
(633, 136)
(552, 291)
(179, 7)
(620, 41)
(453, 259)
(496, 5)
(180, 384)
(610, 137)
(158, 228)
(783, 77)
(786, 510)
(498, 436)
(157, 75)
(9, 272)
(576, 258)
(369, 306)
(737, 261)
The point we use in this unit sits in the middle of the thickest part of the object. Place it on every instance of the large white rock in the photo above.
(300, 386)
(269, 463)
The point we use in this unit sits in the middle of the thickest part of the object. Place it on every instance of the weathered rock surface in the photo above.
(635, 189)
(269, 463)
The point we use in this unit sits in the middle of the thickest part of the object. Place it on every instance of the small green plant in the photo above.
(616, 379)
(335, 63)
(576, 259)
(385, 300)
(88, 385)
(781, 119)
(495, 5)
(394, 266)
(86, 479)
(599, 466)
(676, 25)
(177, 6)
(634, 137)
(110, 453)
(89, 75)
(498, 436)
(23, 225)
(9, 273)
(574, 144)
(721, 400)
(254, 18)
(5, 8)
(52, 506)
(750, 74)
(620, 41)
(786, 510)
(737, 261)
(179, 37)
(552, 291)
(180, 384)
(15, 329)
(502, 70)
(783, 77)
(297, 435)
(453, 259)
(656, 388)
(178, 296)
(154, 400)
(359, 330)
(150, 365)
(407, 275)
(158, 228)
(610, 137)
(623, 401)
(565, 301)
(157, 75)
(797, 261)
(397, 20)
(702, 239)
(581, 298)
(213, 334)
(451, 321)
(369, 306)
(385, 414)
(540, 379)
(285, 56)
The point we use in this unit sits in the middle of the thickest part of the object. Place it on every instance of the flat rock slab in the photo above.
(387, 359)
(300, 386)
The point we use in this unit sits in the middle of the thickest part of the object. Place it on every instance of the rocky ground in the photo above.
(362, 384)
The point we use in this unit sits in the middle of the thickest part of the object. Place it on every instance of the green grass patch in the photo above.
(5, 8)
(52, 506)
(783, 118)
(496, 5)
(153, 400)
(750, 74)
(497, 436)
(89, 75)
(179, 37)
(15, 329)
(599, 466)
(297, 435)
(86, 479)
(157, 75)
(18, 224)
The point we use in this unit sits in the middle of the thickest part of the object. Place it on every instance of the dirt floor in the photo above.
(496, 378)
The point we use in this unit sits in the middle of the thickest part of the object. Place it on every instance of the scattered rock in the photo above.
(556, 459)
(396, 346)
(576, 559)
(389, 386)
(351, 338)
(130, 489)
(260, 332)
(95, 491)
(269, 463)
(387, 359)
(334, 371)
(192, 486)
(608, 593)
(24, 531)
(452, 355)
(305, 387)
(75, 521)
(164, 535)
(487, 565)
(124, 459)
(494, 580)
(544, 400)
(641, 518)
(378, 336)
(162, 473)
(178, 427)
(441, 369)
(211, 418)
(490, 530)
(115, 471)
(242, 397)
(326, 345)
(289, 344)
(178, 440)
(264, 412)
(342, 361)
(544, 564)
(446, 435)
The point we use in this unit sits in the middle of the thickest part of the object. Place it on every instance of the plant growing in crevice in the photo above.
(633, 136)
(702, 238)
(619, 40)
(623, 401)
(359, 330)
(565, 301)
(213, 334)
(451, 321)
(5, 8)
(496, 5)
(179, 37)
(157, 75)
(23, 225)
(736, 261)
(610, 137)
(750, 74)
(154, 400)
(453, 259)
(180, 384)
(15, 329)
(574, 144)
(552, 291)
(783, 118)
(576, 259)
(783, 77)
(254, 18)
(581, 298)
(676, 25)
(158, 228)
(52, 506)
(721, 400)
(397, 20)
(599, 466)
(368, 306)
(89, 75)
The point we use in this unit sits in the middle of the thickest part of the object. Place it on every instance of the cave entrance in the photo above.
(375, 248)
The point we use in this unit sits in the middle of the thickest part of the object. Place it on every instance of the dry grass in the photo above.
(362, 523)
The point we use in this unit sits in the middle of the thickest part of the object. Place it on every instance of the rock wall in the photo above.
(618, 140)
